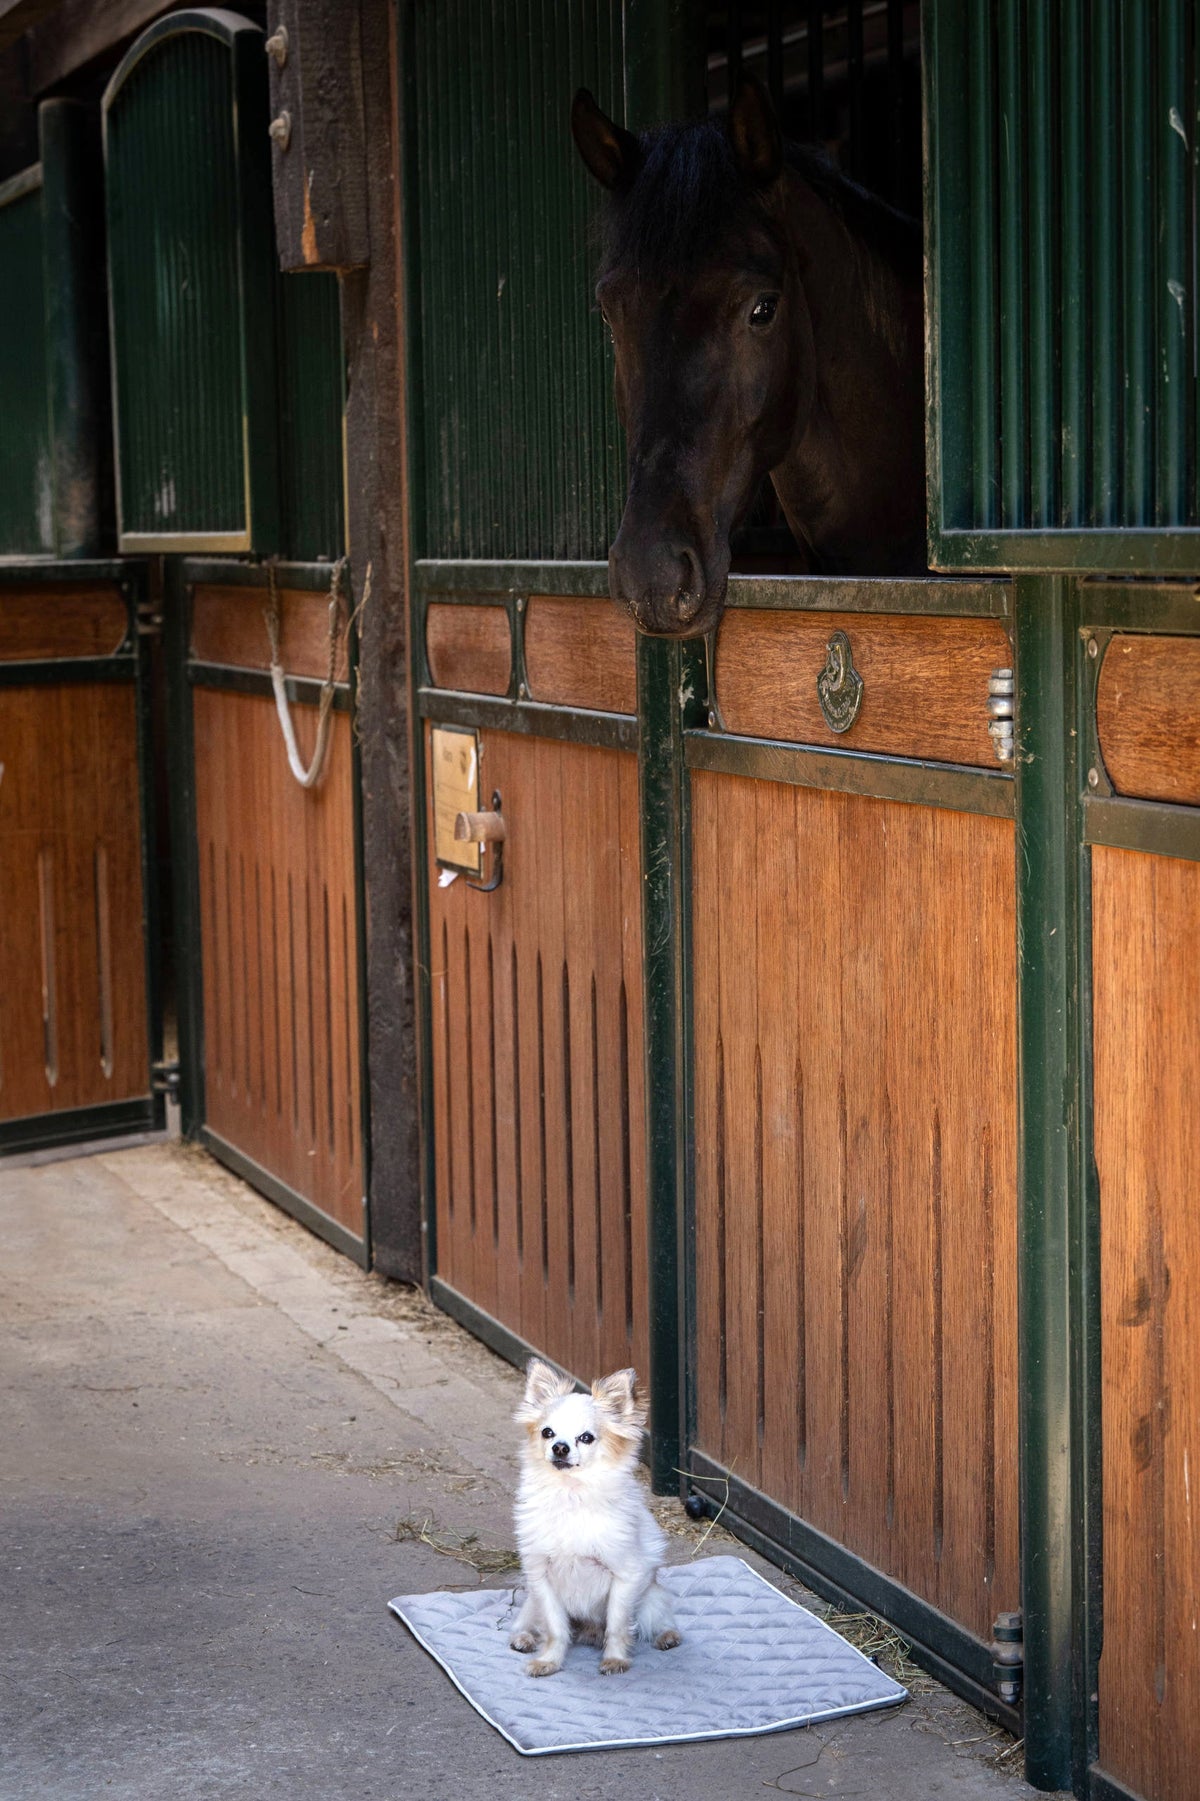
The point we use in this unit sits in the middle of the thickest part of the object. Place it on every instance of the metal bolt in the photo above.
(1093, 778)
(280, 130)
(712, 720)
(522, 691)
(1093, 647)
(520, 603)
(276, 46)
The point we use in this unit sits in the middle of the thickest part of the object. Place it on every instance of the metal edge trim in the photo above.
(953, 786)
(67, 669)
(213, 21)
(1103, 1787)
(308, 1214)
(181, 543)
(955, 597)
(305, 690)
(539, 719)
(1159, 828)
(209, 572)
(63, 571)
(1135, 550)
(77, 1125)
(26, 181)
(484, 1326)
(954, 1655)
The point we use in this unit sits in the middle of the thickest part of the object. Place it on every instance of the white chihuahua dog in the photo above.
(590, 1548)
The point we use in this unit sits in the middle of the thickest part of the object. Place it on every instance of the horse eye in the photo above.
(763, 310)
(585, 1438)
(547, 1431)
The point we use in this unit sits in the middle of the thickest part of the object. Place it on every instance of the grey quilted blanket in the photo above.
(751, 1661)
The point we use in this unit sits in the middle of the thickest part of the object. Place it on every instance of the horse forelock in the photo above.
(688, 199)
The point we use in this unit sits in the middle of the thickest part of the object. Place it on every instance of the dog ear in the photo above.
(543, 1384)
(619, 1397)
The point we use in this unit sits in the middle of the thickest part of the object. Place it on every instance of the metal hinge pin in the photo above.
(1008, 1656)
(1000, 714)
(276, 46)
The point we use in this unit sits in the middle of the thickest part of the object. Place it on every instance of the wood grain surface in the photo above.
(1146, 1022)
(537, 1061)
(468, 648)
(40, 623)
(581, 653)
(228, 627)
(278, 941)
(925, 681)
(855, 1204)
(1148, 716)
(72, 949)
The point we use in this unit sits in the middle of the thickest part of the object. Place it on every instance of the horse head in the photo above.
(721, 266)
(713, 348)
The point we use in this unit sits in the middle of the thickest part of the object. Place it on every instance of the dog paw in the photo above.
(542, 1666)
(613, 1666)
(522, 1641)
(667, 1641)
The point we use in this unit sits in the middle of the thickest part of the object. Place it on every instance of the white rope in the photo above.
(307, 778)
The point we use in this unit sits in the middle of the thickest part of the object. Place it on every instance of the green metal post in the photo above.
(1048, 1101)
(664, 70)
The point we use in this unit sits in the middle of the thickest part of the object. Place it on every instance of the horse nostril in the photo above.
(690, 595)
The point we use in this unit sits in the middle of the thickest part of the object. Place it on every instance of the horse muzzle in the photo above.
(664, 584)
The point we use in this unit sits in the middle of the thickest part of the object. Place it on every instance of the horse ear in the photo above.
(610, 152)
(754, 132)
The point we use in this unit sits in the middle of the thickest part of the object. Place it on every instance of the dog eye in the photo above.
(585, 1438)
(547, 1431)
(763, 310)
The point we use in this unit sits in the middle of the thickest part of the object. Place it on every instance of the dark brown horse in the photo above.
(766, 315)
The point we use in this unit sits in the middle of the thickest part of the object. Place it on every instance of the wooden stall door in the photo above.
(278, 922)
(1146, 998)
(853, 961)
(536, 996)
(74, 1039)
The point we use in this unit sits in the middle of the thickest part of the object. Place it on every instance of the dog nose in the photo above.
(561, 1449)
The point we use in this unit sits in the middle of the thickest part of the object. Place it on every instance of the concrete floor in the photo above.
(223, 1449)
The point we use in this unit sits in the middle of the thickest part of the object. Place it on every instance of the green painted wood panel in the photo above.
(312, 393)
(1061, 207)
(191, 281)
(26, 462)
(515, 432)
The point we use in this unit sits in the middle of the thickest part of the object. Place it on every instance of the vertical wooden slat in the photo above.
(1072, 268)
(1104, 286)
(1014, 267)
(1137, 260)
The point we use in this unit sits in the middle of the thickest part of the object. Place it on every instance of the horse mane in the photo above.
(689, 193)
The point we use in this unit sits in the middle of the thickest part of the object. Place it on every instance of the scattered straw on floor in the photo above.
(463, 1547)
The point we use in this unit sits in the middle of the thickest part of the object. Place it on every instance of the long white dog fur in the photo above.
(590, 1548)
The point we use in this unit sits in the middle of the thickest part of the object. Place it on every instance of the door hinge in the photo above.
(164, 1079)
(1000, 714)
(1008, 1656)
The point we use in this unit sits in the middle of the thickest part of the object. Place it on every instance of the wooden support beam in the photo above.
(318, 132)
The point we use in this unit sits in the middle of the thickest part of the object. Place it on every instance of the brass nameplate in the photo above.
(455, 760)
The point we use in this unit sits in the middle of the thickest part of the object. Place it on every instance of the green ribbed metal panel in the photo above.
(191, 287)
(26, 462)
(516, 432)
(311, 403)
(1063, 189)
